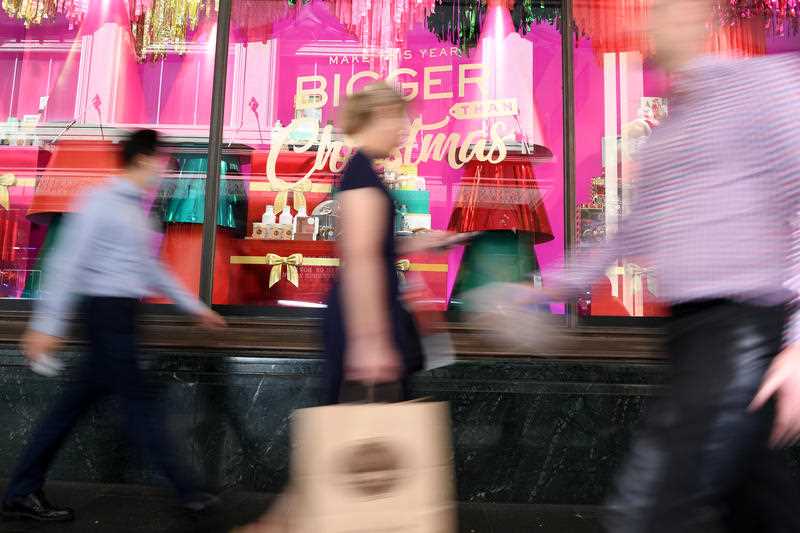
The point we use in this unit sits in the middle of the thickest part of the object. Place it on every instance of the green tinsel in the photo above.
(526, 13)
(460, 21)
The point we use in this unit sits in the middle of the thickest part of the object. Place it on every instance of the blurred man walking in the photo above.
(717, 195)
(104, 263)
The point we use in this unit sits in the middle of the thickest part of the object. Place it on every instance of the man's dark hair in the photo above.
(140, 142)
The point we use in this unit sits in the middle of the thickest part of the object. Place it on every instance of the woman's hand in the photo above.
(372, 360)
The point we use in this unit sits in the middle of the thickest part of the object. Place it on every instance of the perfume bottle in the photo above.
(401, 220)
(286, 221)
(263, 230)
(269, 215)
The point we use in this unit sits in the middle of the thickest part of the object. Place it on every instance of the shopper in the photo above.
(718, 195)
(370, 338)
(103, 265)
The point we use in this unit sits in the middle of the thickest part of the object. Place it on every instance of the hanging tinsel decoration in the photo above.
(458, 21)
(252, 20)
(613, 25)
(782, 16)
(38, 11)
(527, 13)
(381, 24)
(160, 25)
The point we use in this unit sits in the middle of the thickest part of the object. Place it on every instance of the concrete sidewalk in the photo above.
(134, 509)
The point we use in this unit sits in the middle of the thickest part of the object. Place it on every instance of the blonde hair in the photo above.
(360, 108)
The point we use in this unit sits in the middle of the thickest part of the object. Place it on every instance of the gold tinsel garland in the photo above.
(163, 25)
(38, 11)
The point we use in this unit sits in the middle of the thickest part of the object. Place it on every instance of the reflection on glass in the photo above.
(484, 124)
(78, 75)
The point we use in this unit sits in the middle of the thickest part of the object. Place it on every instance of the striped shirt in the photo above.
(105, 249)
(716, 201)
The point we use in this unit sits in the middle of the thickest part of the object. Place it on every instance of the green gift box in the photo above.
(416, 202)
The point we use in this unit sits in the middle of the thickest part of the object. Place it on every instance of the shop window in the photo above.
(621, 98)
(484, 151)
(77, 76)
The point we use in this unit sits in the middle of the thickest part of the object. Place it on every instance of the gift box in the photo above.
(271, 273)
(418, 221)
(423, 278)
(301, 272)
(290, 169)
(416, 202)
(628, 290)
(181, 250)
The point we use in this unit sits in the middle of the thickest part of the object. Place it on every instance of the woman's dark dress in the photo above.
(360, 173)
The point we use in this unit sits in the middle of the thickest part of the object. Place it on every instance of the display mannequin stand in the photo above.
(504, 202)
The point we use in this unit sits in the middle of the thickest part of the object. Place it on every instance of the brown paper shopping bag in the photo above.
(373, 468)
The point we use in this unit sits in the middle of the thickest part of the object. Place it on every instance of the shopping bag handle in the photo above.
(359, 392)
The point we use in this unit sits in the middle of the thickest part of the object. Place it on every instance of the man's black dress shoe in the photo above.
(36, 507)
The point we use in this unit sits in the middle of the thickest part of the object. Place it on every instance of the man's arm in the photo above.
(587, 264)
(164, 282)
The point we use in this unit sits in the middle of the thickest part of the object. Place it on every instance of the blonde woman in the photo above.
(369, 337)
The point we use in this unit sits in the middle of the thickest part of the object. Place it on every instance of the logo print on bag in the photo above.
(371, 469)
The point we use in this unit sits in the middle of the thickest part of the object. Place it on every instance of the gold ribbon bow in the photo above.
(402, 266)
(298, 189)
(277, 262)
(6, 181)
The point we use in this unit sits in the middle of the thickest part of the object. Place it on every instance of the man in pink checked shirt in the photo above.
(716, 211)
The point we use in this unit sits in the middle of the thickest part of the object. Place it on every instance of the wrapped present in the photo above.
(181, 249)
(423, 277)
(289, 185)
(416, 202)
(281, 272)
(628, 290)
(301, 273)
(418, 221)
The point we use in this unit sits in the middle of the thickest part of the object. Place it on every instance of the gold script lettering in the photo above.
(434, 146)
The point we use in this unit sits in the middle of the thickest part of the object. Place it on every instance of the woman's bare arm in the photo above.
(364, 292)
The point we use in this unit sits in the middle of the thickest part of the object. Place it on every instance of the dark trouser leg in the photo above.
(52, 431)
(700, 449)
(147, 430)
(112, 332)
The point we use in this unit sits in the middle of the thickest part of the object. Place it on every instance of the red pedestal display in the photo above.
(502, 196)
(74, 167)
